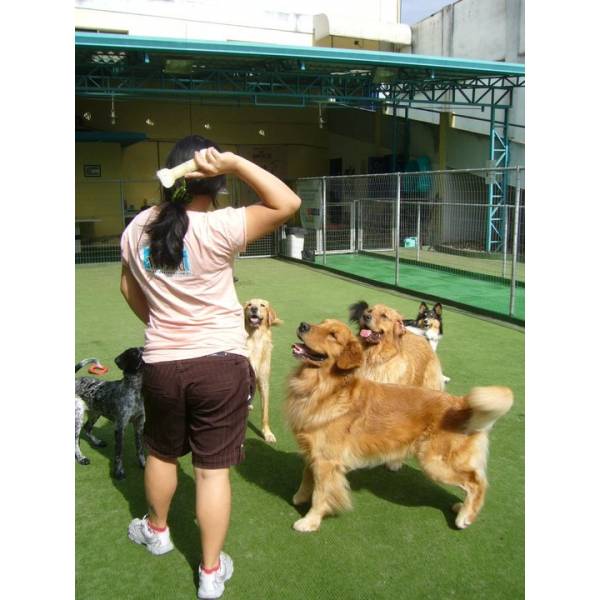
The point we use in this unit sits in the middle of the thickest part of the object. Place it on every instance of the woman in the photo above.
(177, 278)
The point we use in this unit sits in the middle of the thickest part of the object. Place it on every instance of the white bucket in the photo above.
(294, 244)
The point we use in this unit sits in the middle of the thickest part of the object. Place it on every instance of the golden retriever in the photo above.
(259, 317)
(392, 354)
(343, 422)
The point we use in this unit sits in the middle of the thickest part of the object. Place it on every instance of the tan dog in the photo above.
(343, 422)
(259, 317)
(392, 354)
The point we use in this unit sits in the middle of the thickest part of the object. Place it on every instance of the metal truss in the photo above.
(499, 157)
(297, 88)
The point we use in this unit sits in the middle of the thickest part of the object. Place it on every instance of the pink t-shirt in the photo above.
(195, 310)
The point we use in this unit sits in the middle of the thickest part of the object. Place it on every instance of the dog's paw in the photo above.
(119, 474)
(456, 507)
(307, 524)
(269, 436)
(250, 406)
(84, 460)
(462, 522)
(446, 379)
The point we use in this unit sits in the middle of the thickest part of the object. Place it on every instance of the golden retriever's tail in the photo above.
(488, 405)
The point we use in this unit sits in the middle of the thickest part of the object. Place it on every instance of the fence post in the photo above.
(515, 248)
(397, 233)
(123, 207)
(418, 230)
(359, 207)
(505, 240)
(353, 226)
(324, 217)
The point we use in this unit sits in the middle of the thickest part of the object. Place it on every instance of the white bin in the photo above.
(294, 243)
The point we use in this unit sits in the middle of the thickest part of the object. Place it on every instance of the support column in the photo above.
(498, 158)
(443, 140)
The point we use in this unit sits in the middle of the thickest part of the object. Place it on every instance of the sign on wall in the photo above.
(92, 171)
(310, 209)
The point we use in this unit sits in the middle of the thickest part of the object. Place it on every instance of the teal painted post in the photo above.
(515, 248)
(488, 236)
(397, 236)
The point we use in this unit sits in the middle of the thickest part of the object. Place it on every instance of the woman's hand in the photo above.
(211, 163)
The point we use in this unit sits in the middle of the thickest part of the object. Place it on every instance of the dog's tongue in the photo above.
(372, 337)
(298, 350)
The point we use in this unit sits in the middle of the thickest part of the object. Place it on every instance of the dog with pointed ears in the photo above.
(391, 353)
(259, 317)
(428, 324)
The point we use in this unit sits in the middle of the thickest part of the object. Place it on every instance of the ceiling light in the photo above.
(149, 121)
(87, 116)
(207, 126)
(261, 132)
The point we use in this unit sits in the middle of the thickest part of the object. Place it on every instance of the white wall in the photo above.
(480, 30)
(286, 22)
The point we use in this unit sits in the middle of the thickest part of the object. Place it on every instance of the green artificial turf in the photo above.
(488, 294)
(399, 542)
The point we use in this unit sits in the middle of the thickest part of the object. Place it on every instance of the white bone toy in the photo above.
(169, 176)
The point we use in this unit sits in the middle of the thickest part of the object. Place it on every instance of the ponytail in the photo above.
(166, 236)
(167, 231)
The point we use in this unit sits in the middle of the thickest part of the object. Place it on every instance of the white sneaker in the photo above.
(155, 542)
(213, 584)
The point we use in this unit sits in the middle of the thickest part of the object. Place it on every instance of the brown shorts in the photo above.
(198, 404)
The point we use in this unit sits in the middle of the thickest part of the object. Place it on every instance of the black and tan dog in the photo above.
(119, 401)
(428, 324)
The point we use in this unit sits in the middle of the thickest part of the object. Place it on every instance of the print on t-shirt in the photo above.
(184, 267)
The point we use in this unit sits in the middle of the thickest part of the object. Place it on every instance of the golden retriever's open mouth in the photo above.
(303, 352)
(370, 336)
(254, 320)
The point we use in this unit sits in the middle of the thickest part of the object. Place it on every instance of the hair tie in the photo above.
(180, 194)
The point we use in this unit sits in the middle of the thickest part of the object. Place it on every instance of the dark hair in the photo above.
(170, 226)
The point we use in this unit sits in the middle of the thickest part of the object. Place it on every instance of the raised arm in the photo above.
(278, 201)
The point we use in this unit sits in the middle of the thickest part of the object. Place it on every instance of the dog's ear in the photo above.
(121, 359)
(351, 357)
(356, 310)
(422, 308)
(438, 309)
(272, 318)
(399, 328)
(130, 360)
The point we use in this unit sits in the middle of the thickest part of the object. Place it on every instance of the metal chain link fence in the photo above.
(445, 234)
(457, 235)
(105, 207)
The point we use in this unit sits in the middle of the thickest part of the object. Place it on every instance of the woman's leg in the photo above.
(160, 482)
(213, 508)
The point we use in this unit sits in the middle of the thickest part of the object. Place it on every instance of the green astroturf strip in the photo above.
(489, 295)
(397, 543)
